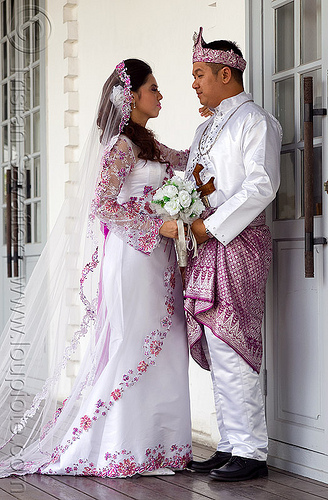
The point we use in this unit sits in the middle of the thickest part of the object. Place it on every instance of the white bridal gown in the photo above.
(136, 417)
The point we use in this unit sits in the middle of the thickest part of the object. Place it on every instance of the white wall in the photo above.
(160, 32)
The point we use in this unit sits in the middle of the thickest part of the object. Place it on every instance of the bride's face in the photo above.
(147, 102)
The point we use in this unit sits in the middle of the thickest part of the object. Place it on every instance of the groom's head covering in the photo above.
(203, 54)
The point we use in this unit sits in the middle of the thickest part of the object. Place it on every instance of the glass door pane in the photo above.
(310, 30)
(285, 201)
(284, 97)
(284, 20)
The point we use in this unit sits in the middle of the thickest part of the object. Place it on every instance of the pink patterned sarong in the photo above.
(225, 290)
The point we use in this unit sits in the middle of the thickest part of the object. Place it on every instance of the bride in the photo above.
(128, 411)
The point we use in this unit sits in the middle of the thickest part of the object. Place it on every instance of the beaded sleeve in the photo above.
(133, 221)
(177, 159)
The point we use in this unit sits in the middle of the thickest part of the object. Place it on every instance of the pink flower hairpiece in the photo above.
(228, 58)
(127, 97)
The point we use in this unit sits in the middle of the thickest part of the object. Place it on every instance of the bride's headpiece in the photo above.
(202, 54)
(121, 96)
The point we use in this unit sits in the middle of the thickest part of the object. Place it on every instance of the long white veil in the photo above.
(42, 341)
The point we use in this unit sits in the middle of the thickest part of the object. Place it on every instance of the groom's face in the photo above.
(207, 85)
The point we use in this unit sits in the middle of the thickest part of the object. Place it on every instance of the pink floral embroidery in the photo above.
(153, 344)
(124, 464)
(133, 221)
(116, 394)
(156, 347)
(147, 189)
(85, 422)
(142, 366)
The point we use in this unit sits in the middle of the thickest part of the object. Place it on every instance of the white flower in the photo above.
(158, 195)
(170, 191)
(173, 206)
(184, 198)
(117, 97)
(189, 186)
(177, 181)
(198, 207)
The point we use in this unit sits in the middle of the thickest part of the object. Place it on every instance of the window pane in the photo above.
(36, 35)
(27, 46)
(3, 19)
(284, 34)
(285, 201)
(27, 95)
(12, 8)
(36, 4)
(310, 30)
(37, 222)
(27, 136)
(12, 55)
(36, 132)
(4, 185)
(5, 145)
(26, 10)
(5, 101)
(36, 86)
(284, 96)
(37, 178)
(4, 225)
(317, 102)
(4, 71)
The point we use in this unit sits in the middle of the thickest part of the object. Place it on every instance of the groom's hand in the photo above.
(198, 228)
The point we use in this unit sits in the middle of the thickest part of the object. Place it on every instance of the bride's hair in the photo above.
(140, 136)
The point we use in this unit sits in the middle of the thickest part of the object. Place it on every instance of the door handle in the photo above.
(309, 174)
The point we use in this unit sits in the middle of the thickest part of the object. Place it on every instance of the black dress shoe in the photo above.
(217, 460)
(240, 469)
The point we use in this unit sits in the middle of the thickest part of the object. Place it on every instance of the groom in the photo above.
(225, 284)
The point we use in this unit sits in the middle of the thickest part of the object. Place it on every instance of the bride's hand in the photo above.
(169, 229)
(205, 111)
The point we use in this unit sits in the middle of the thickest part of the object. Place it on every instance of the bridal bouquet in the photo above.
(179, 199)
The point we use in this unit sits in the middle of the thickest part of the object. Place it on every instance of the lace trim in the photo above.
(89, 316)
(124, 464)
(152, 347)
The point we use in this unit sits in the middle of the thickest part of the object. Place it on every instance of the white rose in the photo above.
(170, 191)
(198, 207)
(177, 181)
(184, 198)
(173, 206)
(117, 97)
(158, 195)
(189, 186)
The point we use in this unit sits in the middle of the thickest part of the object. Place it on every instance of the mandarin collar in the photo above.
(231, 102)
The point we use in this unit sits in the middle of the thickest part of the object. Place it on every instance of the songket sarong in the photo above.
(225, 291)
